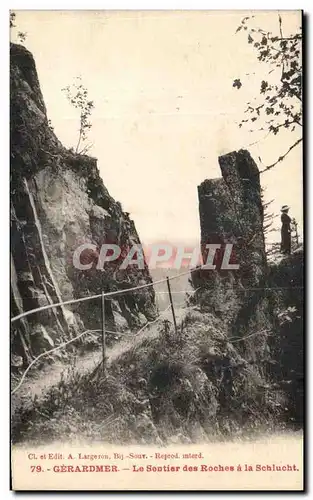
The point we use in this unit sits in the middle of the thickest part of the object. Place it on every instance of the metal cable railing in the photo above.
(121, 292)
(46, 353)
(98, 296)
(64, 344)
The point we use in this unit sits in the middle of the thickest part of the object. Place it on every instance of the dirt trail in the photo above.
(39, 382)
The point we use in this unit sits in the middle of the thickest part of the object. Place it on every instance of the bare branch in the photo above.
(281, 158)
(80, 133)
(85, 149)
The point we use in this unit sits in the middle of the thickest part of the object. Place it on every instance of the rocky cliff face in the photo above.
(231, 212)
(287, 346)
(59, 201)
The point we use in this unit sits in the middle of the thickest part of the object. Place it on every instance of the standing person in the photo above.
(285, 230)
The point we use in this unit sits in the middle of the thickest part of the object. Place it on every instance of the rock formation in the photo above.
(59, 201)
(287, 345)
(231, 212)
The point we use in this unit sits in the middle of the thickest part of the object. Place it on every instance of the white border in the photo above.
(4, 175)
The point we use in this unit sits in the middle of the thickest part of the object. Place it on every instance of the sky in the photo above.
(164, 105)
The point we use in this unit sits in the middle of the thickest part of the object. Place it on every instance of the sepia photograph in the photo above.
(157, 250)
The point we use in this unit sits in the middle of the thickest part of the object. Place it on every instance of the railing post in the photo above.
(171, 301)
(103, 332)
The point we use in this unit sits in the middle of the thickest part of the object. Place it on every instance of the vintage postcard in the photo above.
(156, 250)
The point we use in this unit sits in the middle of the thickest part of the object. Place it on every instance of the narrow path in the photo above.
(151, 332)
(39, 381)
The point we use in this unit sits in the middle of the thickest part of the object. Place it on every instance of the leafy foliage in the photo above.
(237, 83)
(12, 19)
(77, 95)
(21, 36)
(286, 315)
(280, 106)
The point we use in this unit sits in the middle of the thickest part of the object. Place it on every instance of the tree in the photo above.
(77, 95)
(268, 218)
(272, 249)
(279, 105)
